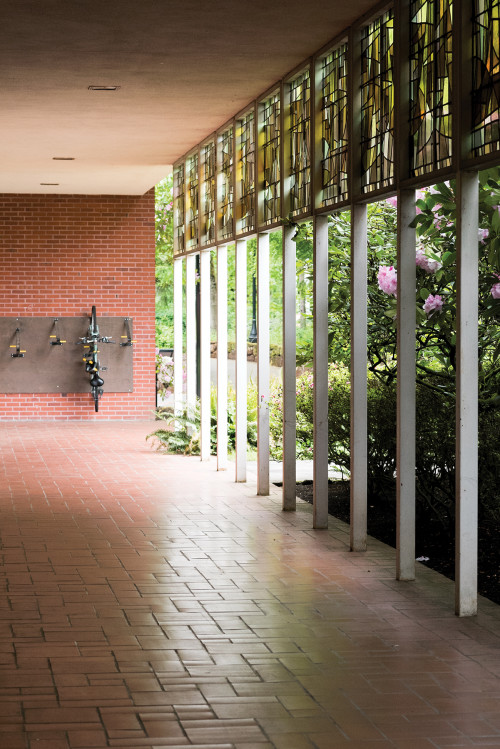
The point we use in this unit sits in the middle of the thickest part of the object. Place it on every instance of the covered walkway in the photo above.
(149, 601)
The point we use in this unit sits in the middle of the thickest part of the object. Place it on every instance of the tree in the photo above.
(164, 234)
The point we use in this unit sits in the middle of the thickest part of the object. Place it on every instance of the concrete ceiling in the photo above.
(184, 67)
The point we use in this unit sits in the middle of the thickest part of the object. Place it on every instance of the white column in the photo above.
(205, 354)
(405, 422)
(289, 369)
(320, 321)
(263, 368)
(191, 331)
(359, 427)
(241, 360)
(222, 358)
(178, 354)
(466, 539)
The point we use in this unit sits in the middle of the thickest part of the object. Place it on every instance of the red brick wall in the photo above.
(59, 254)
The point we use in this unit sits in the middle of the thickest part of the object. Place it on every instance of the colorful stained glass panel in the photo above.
(486, 77)
(226, 189)
(299, 143)
(208, 193)
(377, 104)
(245, 144)
(179, 205)
(192, 208)
(334, 126)
(430, 85)
(271, 158)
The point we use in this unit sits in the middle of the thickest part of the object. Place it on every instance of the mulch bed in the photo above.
(433, 539)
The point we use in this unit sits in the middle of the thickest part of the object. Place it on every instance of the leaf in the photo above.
(494, 252)
(448, 258)
(424, 293)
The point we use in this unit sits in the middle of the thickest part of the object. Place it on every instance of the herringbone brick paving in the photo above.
(149, 601)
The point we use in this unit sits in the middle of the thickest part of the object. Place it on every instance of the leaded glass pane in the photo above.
(208, 193)
(334, 126)
(299, 142)
(246, 173)
(430, 85)
(179, 203)
(377, 104)
(271, 158)
(226, 197)
(192, 209)
(486, 77)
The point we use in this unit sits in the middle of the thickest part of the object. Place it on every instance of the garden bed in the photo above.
(433, 539)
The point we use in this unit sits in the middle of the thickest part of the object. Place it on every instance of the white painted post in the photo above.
(320, 321)
(205, 354)
(263, 368)
(178, 353)
(359, 419)
(289, 369)
(222, 358)
(191, 331)
(405, 422)
(241, 360)
(466, 539)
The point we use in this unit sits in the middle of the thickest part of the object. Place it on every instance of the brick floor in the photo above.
(148, 601)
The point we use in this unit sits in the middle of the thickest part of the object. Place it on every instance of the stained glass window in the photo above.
(271, 158)
(334, 126)
(430, 85)
(192, 209)
(208, 193)
(299, 141)
(245, 144)
(226, 197)
(179, 198)
(486, 77)
(377, 104)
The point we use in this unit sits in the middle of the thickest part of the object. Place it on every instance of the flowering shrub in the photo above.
(164, 373)
(428, 264)
(387, 279)
(433, 304)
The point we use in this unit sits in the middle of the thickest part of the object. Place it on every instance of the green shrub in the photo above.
(180, 433)
(231, 418)
(435, 443)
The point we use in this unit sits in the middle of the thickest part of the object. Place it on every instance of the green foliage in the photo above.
(435, 445)
(164, 229)
(231, 418)
(179, 433)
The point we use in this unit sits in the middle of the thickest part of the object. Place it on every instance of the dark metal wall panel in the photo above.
(60, 369)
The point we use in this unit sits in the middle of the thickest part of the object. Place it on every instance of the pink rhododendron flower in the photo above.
(426, 263)
(433, 304)
(495, 291)
(387, 279)
(392, 201)
(483, 234)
